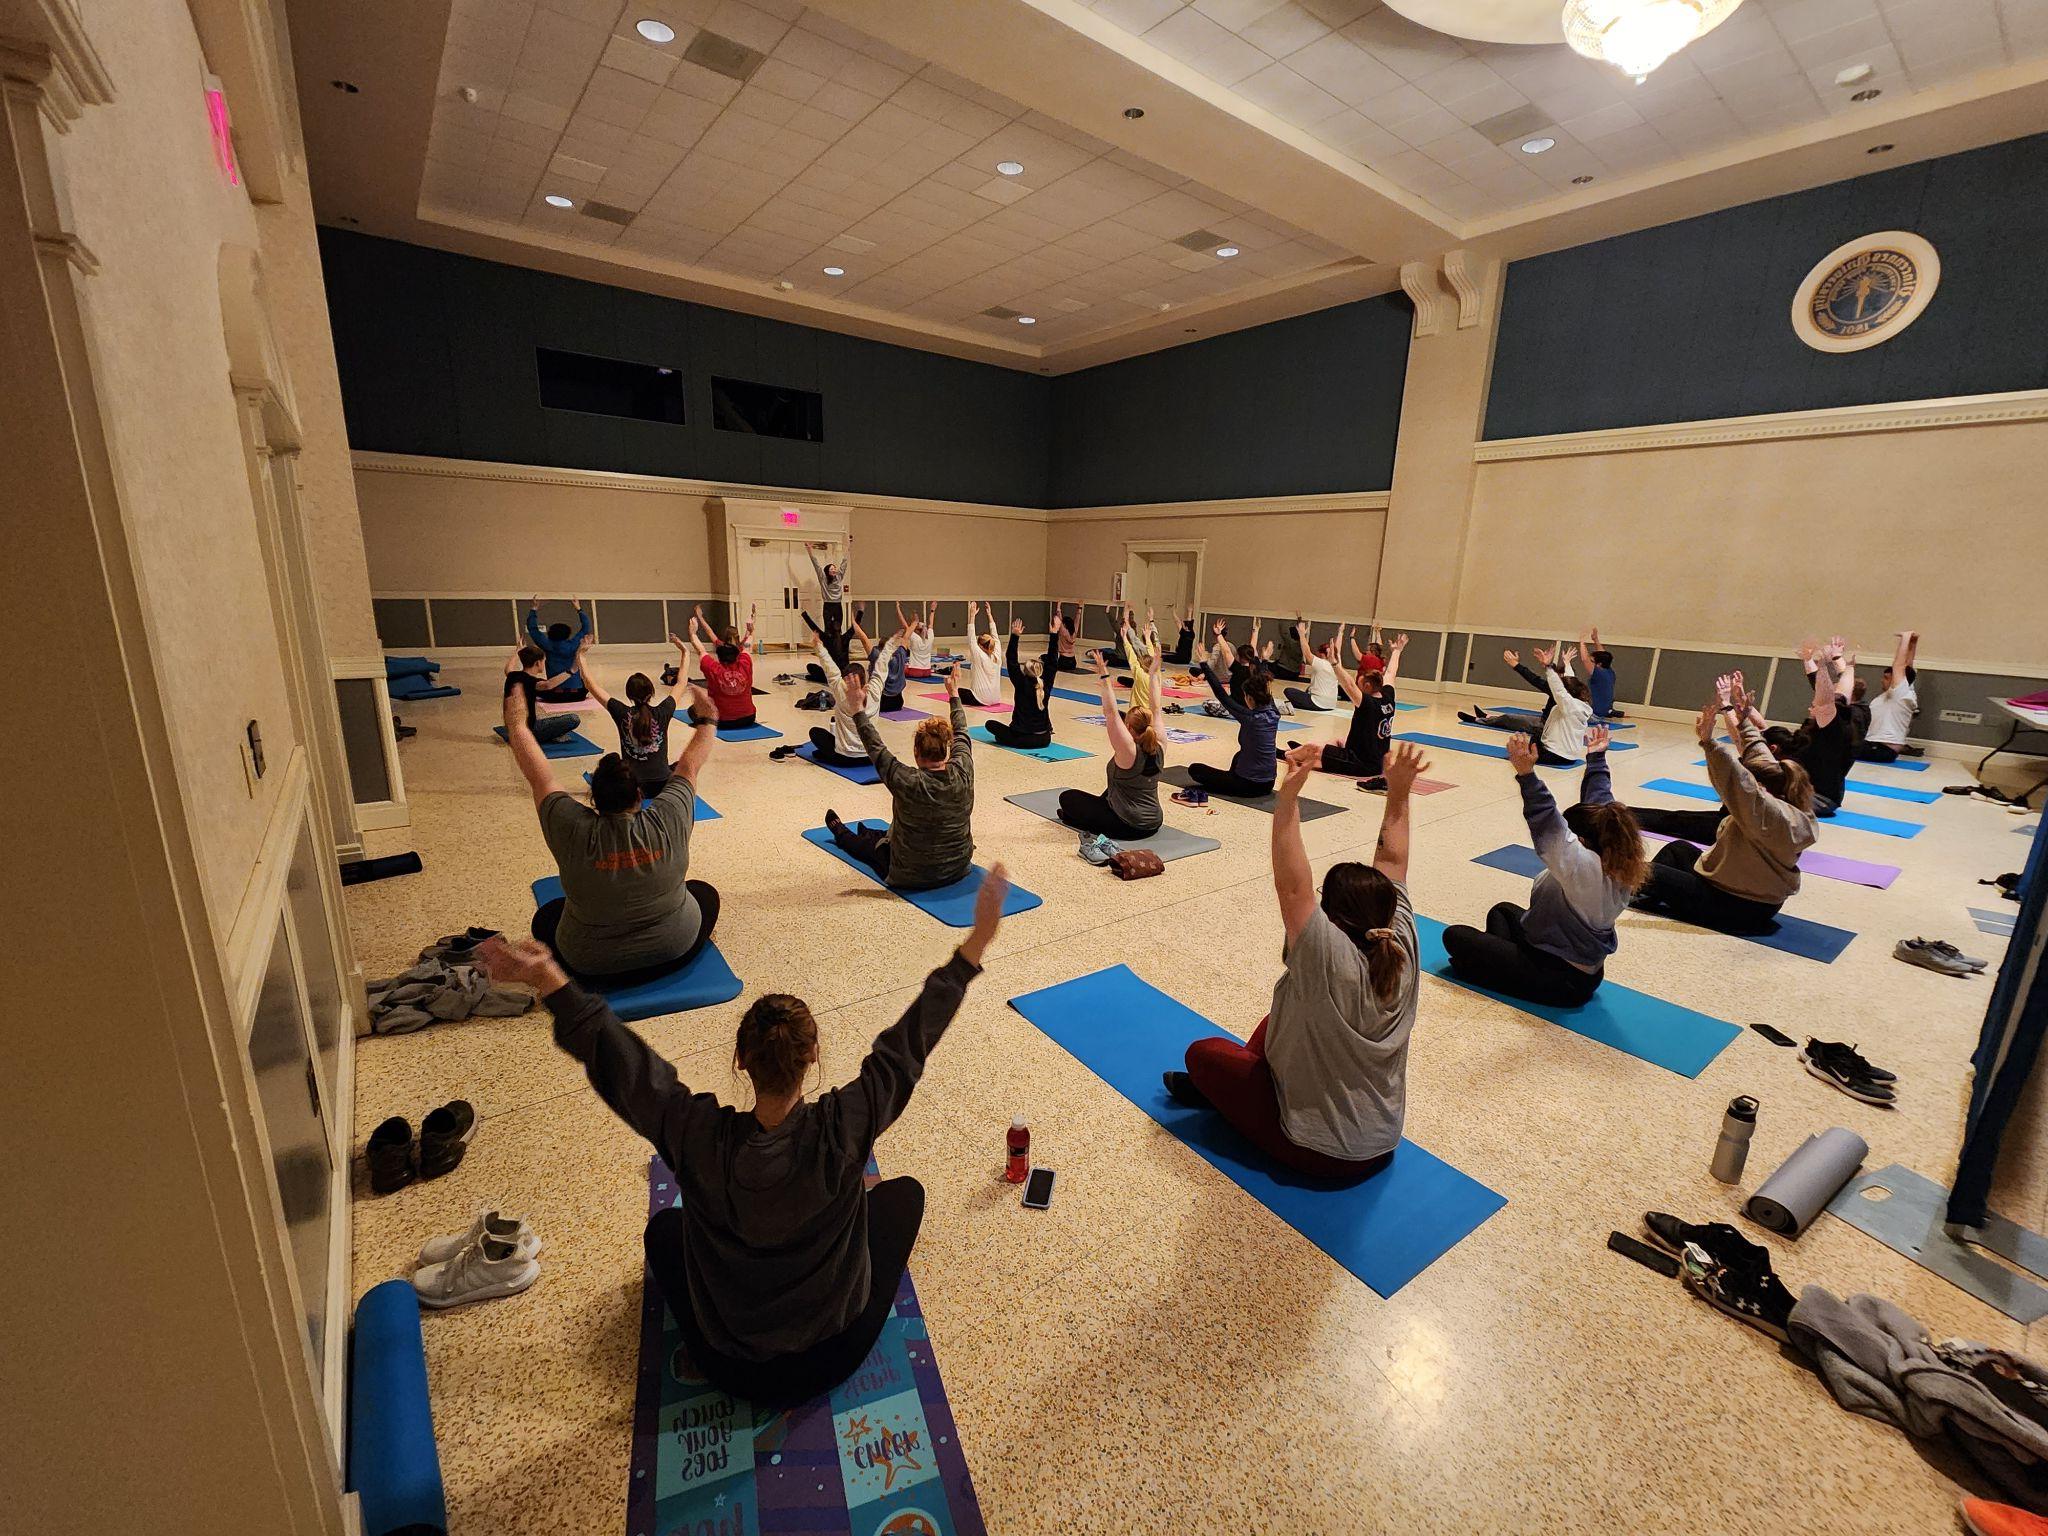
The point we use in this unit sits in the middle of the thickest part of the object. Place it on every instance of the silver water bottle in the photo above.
(1732, 1150)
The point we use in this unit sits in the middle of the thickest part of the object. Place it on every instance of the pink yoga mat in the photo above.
(994, 709)
(549, 707)
(1829, 866)
(1185, 693)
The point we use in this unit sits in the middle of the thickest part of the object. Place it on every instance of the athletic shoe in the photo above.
(1835, 1064)
(1753, 1296)
(509, 1229)
(1196, 797)
(1981, 1517)
(1948, 951)
(1727, 1247)
(779, 753)
(487, 1268)
(1097, 849)
(444, 1137)
(1182, 1090)
(1928, 955)
(390, 1156)
(1469, 716)
(1376, 785)
(1859, 1064)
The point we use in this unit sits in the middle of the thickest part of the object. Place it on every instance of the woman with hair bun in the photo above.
(1322, 1085)
(779, 1265)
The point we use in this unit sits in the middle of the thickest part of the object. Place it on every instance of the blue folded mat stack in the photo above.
(413, 677)
(704, 982)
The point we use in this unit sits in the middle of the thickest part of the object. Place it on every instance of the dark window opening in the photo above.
(767, 410)
(606, 386)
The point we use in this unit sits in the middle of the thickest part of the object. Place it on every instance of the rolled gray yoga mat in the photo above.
(1806, 1181)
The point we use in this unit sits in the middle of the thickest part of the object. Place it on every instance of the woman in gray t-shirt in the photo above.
(1128, 807)
(1322, 1085)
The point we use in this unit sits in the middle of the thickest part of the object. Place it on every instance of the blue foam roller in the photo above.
(393, 1464)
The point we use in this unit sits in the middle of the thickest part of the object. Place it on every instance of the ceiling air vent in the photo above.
(997, 312)
(1201, 240)
(721, 55)
(610, 213)
(1511, 127)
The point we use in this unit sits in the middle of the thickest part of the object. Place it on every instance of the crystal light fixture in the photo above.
(1635, 36)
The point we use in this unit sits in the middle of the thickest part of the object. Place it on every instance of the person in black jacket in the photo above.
(1031, 683)
(779, 1265)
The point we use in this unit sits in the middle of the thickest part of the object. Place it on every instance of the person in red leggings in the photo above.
(1322, 1085)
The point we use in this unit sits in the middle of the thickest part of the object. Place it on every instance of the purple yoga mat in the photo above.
(905, 714)
(1829, 866)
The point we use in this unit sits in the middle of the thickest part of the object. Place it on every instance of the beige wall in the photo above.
(1316, 562)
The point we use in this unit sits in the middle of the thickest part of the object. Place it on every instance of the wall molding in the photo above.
(1838, 421)
(1240, 506)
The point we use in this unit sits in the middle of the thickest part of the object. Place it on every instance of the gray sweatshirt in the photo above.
(776, 1241)
(834, 586)
(1756, 855)
(931, 830)
(1573, 905)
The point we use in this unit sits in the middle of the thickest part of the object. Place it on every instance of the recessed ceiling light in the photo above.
(655, 31)
(1580, 181)
(556, 200)
(1871, 94)
(1879, 149)
(835, 271)
(1226, 251)
(1010, 167)
(1536, 146)
(1027, 319)
(1134, 113)
(1855, 74)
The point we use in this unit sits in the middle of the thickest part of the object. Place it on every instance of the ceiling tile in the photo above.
(1284, 30)
(1405, 48)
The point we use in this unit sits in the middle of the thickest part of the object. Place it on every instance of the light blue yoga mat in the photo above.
(1054, 752)
(1537, 714)
(1077, 696)
(1910, 764)
(1460, 744)
(1635, 1023)
(864, 773)
(703, 983)
(952, 904)
(1886, 791)
(1854, 819)
(754, 732)
(1385, 1230)
(1793, 935)
(575, 744)
(704, 809)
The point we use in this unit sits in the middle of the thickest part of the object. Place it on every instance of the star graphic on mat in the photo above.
(903, 1461)
(856, 1429)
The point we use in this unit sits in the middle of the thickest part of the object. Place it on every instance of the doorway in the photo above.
(776, 577)
(1163, 577)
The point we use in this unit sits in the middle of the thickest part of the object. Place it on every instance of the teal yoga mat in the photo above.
(1385, 1230)
(1053, 752)
(952, 904)
(575, 744)
(1882, 791)
(1853, 819)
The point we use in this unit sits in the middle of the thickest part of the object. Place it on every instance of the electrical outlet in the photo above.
(1962, 717)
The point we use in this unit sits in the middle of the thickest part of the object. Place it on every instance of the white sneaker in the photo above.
(511, 1229)
(481, 1271)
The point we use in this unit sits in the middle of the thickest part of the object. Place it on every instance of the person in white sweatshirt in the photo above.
(984, 687)
(1561, 741)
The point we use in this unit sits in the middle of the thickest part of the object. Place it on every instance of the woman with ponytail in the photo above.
(1322, 1085)
(728, 668)
(779, 1265)
(1593, 865)
(643, 721)
(1128, 807)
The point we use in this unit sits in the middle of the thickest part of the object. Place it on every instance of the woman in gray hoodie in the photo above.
(1593, 863)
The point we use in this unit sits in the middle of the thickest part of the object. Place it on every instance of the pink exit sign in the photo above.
(223, 142)
(791, 517)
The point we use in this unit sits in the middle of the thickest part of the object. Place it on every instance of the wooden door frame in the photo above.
(1196, 547)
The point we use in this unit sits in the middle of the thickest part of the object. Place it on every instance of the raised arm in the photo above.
(1121, 745)
(1235, 710)
(811, 550)
(1823, 685)
(696, 751)
(590, 682)
(682, 682)
(533, 630)
(753, 619)
(1902, 656)
(1390, 854)
(583, 631)
(1293, 882)
(526, 752)
(1596, 785)
(1393, 660)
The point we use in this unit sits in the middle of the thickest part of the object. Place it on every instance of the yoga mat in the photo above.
(754, 732)
(1454, 744)
(1908, 1214)
(1186, 693)
(1077, 696)
(1909, 764)
(1885, 791)
(1805, 1182)
(1853, 819)
(704, 982)
(1634, 1023)
(393, 1464)
(905, 714)
(878, 1454)
(429, 691)
(1828, 866)
(1385, 1230)
(1053, 752)
(704, 808)
(952, 904)
(1311, 810)
(1537, 714)
(1987, 922)
(993, 709)
(575, 744)
(1179, 737)
(396, 667)
(566, 707)
(864, 774)
(363, 871)
(1169, 842)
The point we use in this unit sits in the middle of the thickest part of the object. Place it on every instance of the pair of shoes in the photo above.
(1725, 1270)
(1842, 1066)
(787, 749)
(1182, 1090)
(1937, 955)
(1469, 716)
(1981, 1517)
(1376, 785)
(1097, 849)
(444, 1138)
(497, 1256)
(1191, 796)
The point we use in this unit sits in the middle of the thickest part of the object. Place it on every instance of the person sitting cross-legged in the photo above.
(930, 838)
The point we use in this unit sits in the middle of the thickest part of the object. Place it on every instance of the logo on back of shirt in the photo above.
(627, 858)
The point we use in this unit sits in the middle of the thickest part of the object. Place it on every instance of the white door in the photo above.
(765, 583)
(1163, 580)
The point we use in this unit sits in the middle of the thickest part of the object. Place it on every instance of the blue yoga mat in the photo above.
(1854, 819)
(704, 808)
(393, 1464)
(1909, 764)
(1537, 714)
(396, 667)
(864, 774)
(427, 691)
(952, 904)
(705, 981)
(1077, 695)
(1634, 1023)
(1793, 935)
(1476, 748)
(1053, 752)
(1886, 791)
(1386, 1230)
(754, 732)
(575, 744)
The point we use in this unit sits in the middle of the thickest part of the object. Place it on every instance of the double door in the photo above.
(777, 578)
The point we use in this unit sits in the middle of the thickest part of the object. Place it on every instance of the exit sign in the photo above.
(791, 517)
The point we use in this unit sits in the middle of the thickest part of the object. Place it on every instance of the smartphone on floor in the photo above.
(1038, 1190)
(1774, 1035)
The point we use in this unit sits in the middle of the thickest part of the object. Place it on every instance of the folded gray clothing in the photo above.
(436, 988)
(1880, 1363)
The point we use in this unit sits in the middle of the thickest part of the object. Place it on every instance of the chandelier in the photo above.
(1635, 36)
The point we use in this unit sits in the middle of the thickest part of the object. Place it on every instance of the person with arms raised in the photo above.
(564, 650)
(930, 838)
(1128, 807)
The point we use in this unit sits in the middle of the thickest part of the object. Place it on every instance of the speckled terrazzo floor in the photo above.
(1158, 1352)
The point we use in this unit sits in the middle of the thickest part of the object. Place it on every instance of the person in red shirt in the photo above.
(728, 669)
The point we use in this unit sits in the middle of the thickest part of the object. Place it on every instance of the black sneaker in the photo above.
(1469, 716)
(787, 749)
(1376, 785)
(390, 1156)
(1753, 1296)
(444, 1137)
(1728, 1248)
(1830, 1062)
(1857, 1063)
(1182, 1090)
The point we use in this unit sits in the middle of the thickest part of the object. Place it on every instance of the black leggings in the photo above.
(1345, 761)
(1091, 813)
(891, 702)
(1692, 826)
(549, 918)
(1183, 646)
(1678, 888)
(967, 697)
(1877, 752)
(1299, 698)
(547, 728)
(868, 844)
(1292, 674)
(1221, 781)
(738, 722)
(895, 1212)
(826, 747)
(1503, 959)
(1008, 735)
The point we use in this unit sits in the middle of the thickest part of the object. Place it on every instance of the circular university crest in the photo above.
(1865, 292)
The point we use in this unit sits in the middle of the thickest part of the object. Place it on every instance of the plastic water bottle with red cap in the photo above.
(1018, 1168)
